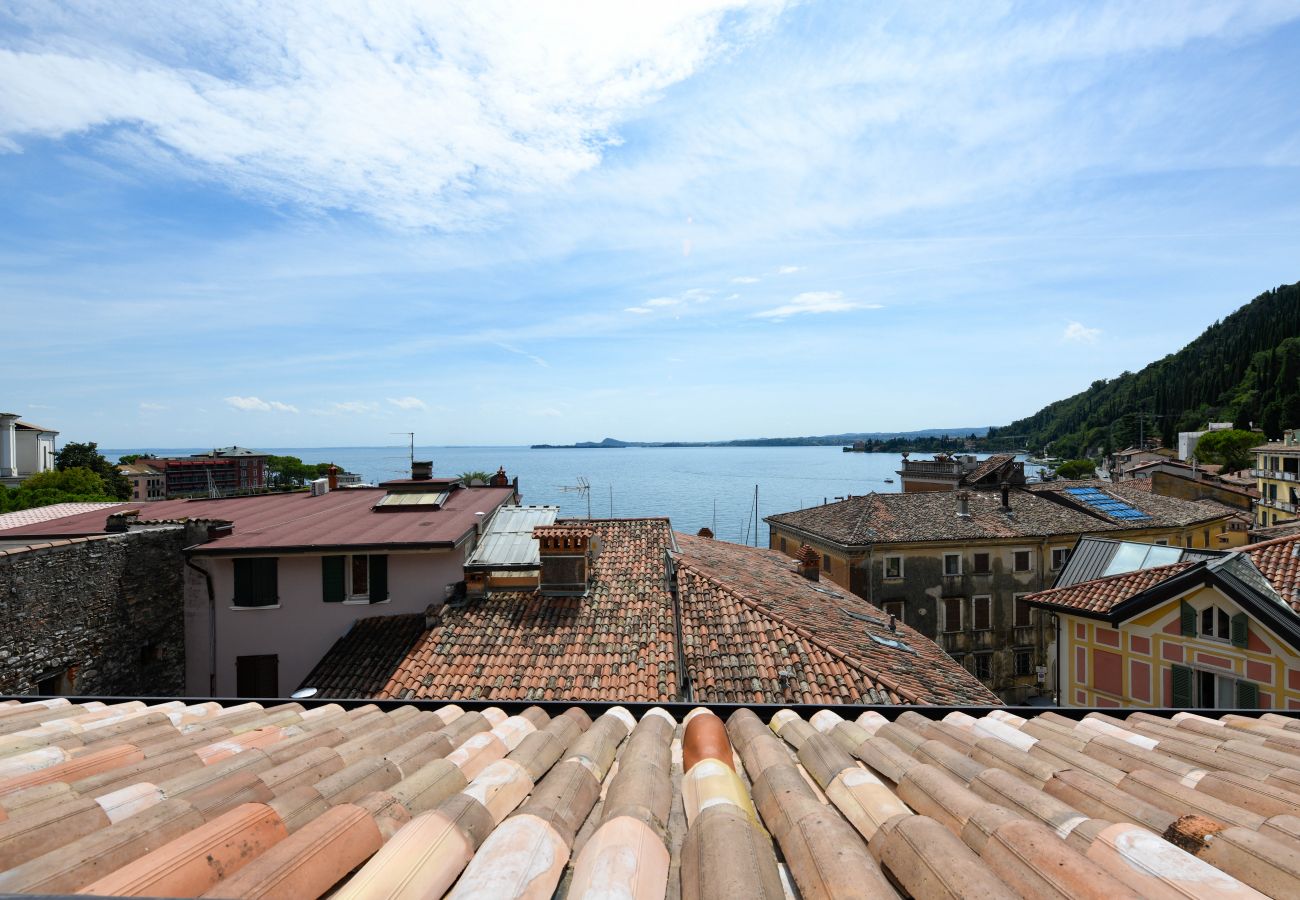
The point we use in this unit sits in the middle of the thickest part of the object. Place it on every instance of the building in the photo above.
(1187, 439)
(276, 578)
(147, 482)
(949, 472)
(958, 566)
(25, 449)
(1277, 478)
(629, 609)
(1144, 625)
(1123, 460)
(224, 470)
(476, 799)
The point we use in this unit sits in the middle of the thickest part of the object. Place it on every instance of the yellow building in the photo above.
(1169, 627)
(1277, 475)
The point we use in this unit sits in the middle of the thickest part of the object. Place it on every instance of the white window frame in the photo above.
(1056, 567)
(1219, 613)
(1028, 550)
(948, 556)
(348, 596)
(900, 567)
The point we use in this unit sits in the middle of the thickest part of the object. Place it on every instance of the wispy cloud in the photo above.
(788, 270)
(257, 404)
(408, 403)
(1078, 333)
(638, 310)
(353, 406)
(745, 279)
(509, 348)
(663, 301)
(815, 302)
(151, 407)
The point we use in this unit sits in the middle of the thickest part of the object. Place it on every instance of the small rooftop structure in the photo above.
(1097, 557)
(507, 540)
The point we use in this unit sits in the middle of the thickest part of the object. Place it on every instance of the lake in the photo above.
(693, 486)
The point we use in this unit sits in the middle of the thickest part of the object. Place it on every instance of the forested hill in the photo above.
(1243, 369)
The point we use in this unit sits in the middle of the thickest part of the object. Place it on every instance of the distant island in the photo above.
(885, 441)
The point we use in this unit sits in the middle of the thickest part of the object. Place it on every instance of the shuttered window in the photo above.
(332, 573)
(1240, 630)
(952, 613)
(1024, 614)
(983, 613)
(378, 578)
(1181, 683)
(1187, 618)
(256, 582)
(1247, 695)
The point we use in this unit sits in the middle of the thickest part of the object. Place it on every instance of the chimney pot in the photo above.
(809, 563)
(422, 470)
(500, 479)
(893, 623)
(1006, 496)
(334, 477)
(705, 532)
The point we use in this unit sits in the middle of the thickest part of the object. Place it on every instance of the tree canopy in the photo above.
(1230, 449)
(87, 456)
(1077, 468)
(290, 471)
(74, 485)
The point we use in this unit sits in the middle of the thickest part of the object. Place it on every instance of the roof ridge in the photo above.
(1183, 563)
(884, 680)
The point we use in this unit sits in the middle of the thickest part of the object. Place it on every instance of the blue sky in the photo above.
(319, 223)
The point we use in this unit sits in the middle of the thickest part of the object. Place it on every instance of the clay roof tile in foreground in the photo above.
(440, 800)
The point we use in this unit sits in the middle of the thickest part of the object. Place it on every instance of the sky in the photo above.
(319, 223)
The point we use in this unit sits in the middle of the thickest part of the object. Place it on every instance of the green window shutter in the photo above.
(378, 578)
(1182, 686)
(1247, 695)
(331, 578)
(1240, 630)
(1187, 613)
(268, 582)
(256, 582)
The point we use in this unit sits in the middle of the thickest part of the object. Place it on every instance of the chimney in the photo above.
(810, 563)
(566, 554)
(1006, 497)
(421, 470)
(333, 477)
(500, 479)
(119, 522)
(963, 504)
(705, 532)
(893, 623)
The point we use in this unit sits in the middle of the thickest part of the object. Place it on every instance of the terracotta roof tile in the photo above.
(1102, 594)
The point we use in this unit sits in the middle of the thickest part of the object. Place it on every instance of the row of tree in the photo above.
(81, 475)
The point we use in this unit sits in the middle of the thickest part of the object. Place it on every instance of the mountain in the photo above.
(1244, 369)
(822, 440)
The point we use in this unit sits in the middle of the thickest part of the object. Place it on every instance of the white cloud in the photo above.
(408, 403)
(524, 353)
(788, 270)
(354, 406)
(151, 407)
(639, 310)
(1077, 332)
(745, 279)
(663, 301)
(421, 114)
(815, 302)
(257, 404)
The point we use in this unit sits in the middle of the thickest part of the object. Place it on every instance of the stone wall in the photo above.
(95, 616)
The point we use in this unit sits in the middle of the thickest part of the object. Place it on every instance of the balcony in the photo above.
(1274, 475)
(1278, 505)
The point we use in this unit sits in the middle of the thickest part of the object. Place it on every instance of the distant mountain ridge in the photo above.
(822, 440)
(1244, 368)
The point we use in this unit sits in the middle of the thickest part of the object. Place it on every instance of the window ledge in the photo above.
(245, 608)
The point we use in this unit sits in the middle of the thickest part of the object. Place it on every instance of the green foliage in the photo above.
(290, 471)
(74, 485)
(87, 456)
(134, 457)
(1230, 449)
(1243, 369)
(467, 477)
(1077, 468)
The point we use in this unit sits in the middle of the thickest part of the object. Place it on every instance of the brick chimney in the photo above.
(1006, 497)
(500, 479)
(567, 552)
(810, 563)
(334, 477)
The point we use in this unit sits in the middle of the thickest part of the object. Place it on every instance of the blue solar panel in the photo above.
(1104, 503)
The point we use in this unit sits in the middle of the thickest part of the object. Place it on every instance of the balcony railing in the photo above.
(1278, 504)
(1275, 475)
(930, 468)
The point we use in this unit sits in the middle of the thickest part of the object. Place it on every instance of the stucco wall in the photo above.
(105, 613)
(303, 627)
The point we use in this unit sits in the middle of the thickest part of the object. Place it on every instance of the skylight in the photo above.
(1105, 504)
(890, 642)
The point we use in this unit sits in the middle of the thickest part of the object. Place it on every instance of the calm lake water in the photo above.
(693, 486)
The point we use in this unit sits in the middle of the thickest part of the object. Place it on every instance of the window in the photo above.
(1021, 560)
(952, 564)
(893, 567)
(783, 549)
(980, 564)
(983, 609)
(1024, 614)
(826, 562)
(1162, 542)
(1024, 663)
(895, 608)
(257, 676)
(952, 613)
(1060, 556)
(1217, 624)
(256, 582)
(360, 578)
(1210, 690)
(982, 667)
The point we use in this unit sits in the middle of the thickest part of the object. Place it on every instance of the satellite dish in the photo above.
(304, 693)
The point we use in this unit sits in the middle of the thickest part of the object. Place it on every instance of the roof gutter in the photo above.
(684, 692)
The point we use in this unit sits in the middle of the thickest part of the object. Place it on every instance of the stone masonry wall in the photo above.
(101, 615)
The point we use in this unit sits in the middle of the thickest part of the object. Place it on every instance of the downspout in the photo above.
(1056, 623)
(212, 626)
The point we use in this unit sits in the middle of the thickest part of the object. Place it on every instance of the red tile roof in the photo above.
(342, 518)
(1276, 559)
(1103, 594)
(987, 467)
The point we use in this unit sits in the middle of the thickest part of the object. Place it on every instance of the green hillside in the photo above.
(1243, 369)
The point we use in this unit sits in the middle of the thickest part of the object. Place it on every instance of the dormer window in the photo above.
(1215, 623)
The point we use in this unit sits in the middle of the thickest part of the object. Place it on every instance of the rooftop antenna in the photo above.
(582, 489)
(410, 435)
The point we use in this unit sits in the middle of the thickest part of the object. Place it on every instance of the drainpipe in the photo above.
(212, 626)
(1056, 623)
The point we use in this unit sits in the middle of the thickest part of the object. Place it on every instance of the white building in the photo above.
(25, 449)
(1187, 439)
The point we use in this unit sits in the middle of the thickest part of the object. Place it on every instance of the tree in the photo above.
(134, 457)
(467, 478)
(75, 485)
(1076, 468)
(87, 456)
(1230, 449)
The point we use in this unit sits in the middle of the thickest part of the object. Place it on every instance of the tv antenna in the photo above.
(582, 489)
(411, 436)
